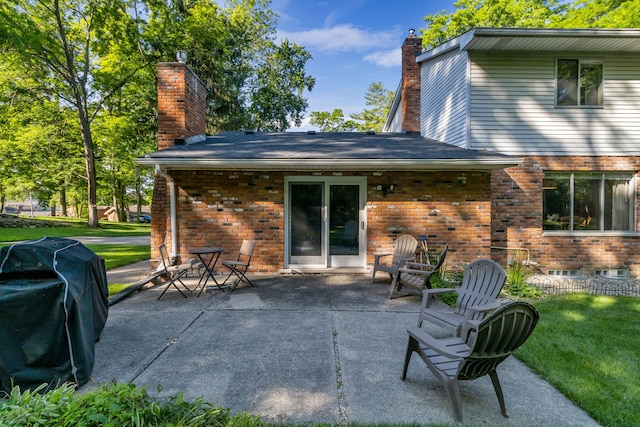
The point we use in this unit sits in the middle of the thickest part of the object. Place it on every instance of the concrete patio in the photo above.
(304, 349)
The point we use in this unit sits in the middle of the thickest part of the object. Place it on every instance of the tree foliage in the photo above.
(380, 100)
(602, 14)
(253, 82)
(78, 89)
(471, 14)
(332, 121)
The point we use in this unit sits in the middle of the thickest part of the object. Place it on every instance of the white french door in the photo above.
(326, 222)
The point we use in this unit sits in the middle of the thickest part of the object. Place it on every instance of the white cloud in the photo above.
(342, 38)
(385, 58)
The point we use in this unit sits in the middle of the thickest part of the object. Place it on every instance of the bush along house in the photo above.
(566, 102)
(313, 201)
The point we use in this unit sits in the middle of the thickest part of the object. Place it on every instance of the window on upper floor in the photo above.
(589, 201)
(579, 82)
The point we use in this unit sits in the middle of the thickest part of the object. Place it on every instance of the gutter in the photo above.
(487, 163)
(172, 207)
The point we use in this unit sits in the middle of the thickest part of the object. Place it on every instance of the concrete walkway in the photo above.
(304, 349)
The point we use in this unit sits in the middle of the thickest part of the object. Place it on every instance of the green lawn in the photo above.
(114, 255)
(76, 227)
(587, 346)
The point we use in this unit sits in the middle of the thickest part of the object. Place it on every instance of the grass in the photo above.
(587, 347)
(76, 227)
(114, 255)
(114, 288)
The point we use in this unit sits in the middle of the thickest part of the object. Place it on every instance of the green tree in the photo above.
(470, 14)
(74, 43)
(253, 82)
(332, 121)
(380, 99)
(602, 14)
(36, 135)
(277, 92)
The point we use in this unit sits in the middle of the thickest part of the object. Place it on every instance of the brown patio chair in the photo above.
(477, 351)
(404, 250)
(417, 275)
(240, 265)
(477, 295)
(172, 273)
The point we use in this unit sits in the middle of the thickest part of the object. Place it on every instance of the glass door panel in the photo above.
(344, 219)
(325, 222)
(306, 223)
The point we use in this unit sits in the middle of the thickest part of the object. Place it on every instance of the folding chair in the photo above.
(240, 265)
(173, 273)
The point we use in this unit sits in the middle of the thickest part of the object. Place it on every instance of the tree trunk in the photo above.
(90, 164)
(80, 100)
(63, 202)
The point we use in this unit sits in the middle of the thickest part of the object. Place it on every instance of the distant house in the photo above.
(567, 102)
(294, 193)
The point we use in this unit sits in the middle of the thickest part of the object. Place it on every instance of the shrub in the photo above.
(112, 405)
(516, 285)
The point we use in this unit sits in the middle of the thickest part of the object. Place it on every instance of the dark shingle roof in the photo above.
(324, 150)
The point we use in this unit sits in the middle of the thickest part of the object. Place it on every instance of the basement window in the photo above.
(564, 273)
(588, 201)
(620, 273)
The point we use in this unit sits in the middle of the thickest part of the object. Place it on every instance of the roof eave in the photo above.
(488, 163)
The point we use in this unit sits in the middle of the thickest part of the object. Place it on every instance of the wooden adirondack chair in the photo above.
(417, 275)
(480, 348)
(404, 250)
(481, 284)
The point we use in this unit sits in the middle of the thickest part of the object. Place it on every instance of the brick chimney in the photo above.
(182, 104)
(410, 86)
(182, 118)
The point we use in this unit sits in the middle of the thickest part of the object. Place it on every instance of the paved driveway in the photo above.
(127, 240)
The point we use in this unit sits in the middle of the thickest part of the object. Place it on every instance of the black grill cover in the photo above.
(53, 307)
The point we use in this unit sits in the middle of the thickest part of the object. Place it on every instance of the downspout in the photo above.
(172, 209)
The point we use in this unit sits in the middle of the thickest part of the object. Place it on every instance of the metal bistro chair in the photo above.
(173, 273)
(240, 265)
(477, 351)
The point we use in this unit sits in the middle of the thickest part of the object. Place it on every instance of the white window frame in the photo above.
(579, 87)
(603, 177)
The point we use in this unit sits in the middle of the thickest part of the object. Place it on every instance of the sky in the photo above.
(353, 43)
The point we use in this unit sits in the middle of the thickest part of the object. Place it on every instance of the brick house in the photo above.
(296, 193)
(565, 101)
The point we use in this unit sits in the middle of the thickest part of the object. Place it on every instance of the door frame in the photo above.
(361, 181)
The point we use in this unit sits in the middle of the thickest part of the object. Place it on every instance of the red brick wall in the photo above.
(223, 207)
(517, 218)
(410, 89)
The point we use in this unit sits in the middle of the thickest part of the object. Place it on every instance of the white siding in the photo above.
(444, 107)
(396, 121)
(513, 107)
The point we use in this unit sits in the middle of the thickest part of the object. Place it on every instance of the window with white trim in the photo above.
(579, 83)
(577, 201)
